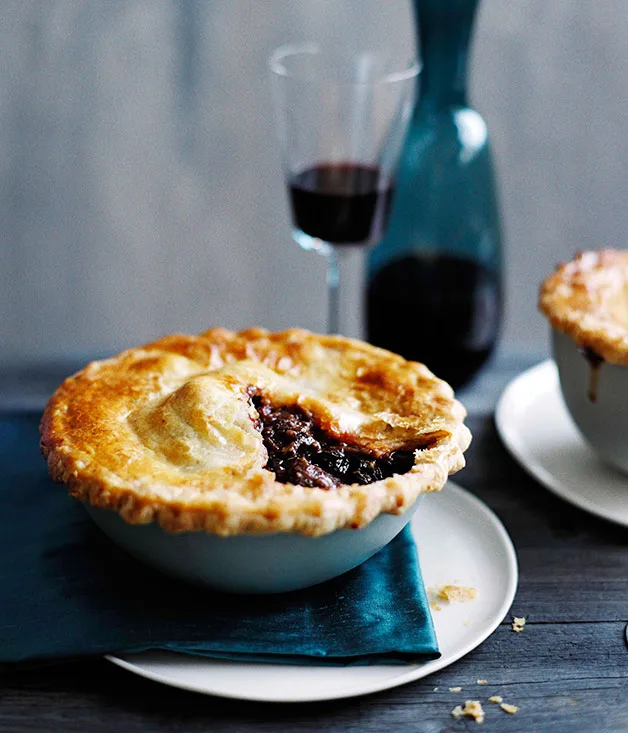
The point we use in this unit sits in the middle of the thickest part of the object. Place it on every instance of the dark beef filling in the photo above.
(299, 452)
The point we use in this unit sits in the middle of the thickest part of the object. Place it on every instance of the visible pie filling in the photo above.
(595, 361)
(300, 453)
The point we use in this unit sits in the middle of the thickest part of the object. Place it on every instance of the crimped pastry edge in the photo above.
(307, 511)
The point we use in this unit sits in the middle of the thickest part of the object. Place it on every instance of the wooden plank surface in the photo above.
(567, 671)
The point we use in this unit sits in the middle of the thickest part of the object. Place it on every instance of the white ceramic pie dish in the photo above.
(242, 460)
(603, 421)
(248, 563)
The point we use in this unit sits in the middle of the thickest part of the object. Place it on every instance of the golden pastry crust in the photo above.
(587, 299)
(167, 432)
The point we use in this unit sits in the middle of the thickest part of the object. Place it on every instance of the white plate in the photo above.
(535, 426)
(460, 541)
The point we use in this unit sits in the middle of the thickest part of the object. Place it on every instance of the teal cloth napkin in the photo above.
(67, 591)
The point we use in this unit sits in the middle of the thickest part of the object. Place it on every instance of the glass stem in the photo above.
(333, 290)
(345, 284)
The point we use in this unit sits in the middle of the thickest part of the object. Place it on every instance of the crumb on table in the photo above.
(518, 622)
(481, 682)
(472, 709)
(455, 689)
(496, 699)
(510, 709)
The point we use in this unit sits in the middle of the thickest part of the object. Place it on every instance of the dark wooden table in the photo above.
(567, 671)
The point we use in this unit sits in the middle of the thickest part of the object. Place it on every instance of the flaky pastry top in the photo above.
(167, 432)
(587, 299)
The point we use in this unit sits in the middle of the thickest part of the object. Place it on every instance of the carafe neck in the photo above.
(444, 29)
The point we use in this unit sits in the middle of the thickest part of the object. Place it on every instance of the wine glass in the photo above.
(342, 119)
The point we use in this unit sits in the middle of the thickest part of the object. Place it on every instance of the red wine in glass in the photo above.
(341, 203)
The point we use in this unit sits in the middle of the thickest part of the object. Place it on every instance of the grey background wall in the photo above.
(140, 190)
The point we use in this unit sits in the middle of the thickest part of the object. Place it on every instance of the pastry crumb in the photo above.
(481, 682)
(518, 622)
(434, 606)
(435, 689)
(457, 593)
(510, 709)
(455, 689)
(472, 709)
(496, 698)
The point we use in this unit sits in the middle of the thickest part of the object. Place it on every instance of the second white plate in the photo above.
(459, 540)
(536, 428)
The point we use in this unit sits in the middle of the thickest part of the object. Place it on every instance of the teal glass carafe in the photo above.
(434, 283)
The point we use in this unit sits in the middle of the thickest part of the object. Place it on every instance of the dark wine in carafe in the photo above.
(441, 310)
